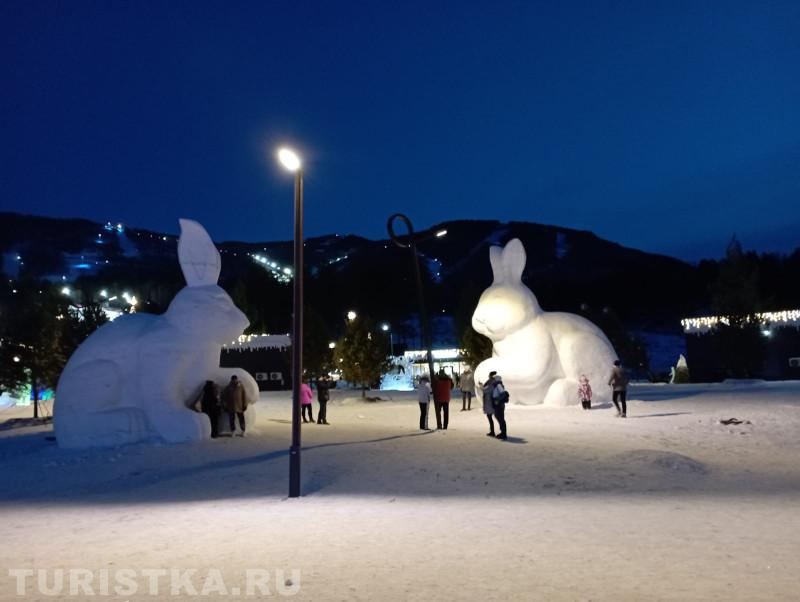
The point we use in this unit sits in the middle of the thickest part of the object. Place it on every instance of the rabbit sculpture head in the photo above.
(202, 306)
(507, 305)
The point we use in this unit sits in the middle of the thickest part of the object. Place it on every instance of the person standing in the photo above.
(619, 385)
(442, 385)
(235, 402)
(499, 401)
(467, 390)
(306, 398)
(488, 407)
(209, 405)
(585, 393)
(323, 395)
(424, 398)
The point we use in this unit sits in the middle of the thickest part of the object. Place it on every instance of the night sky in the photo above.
(665, 126)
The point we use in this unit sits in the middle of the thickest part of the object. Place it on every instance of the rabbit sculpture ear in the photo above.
(514, 260)
(199, 258)
(496, 260)
(508, 263)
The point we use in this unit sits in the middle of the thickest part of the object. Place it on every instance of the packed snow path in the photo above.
(667, 504)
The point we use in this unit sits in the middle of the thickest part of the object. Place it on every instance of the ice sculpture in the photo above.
(131, 379)
(540, 355)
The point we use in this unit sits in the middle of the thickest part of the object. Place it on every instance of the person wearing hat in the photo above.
(499, 400)
(585, 393)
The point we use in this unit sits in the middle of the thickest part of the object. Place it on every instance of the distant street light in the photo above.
(386, 328)
(291, 161)
(331, 345)
(351, 315)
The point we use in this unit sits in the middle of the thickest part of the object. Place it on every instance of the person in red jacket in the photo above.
(442, 385)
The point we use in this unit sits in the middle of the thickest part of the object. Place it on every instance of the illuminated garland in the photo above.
(778, 319)
(260, 341)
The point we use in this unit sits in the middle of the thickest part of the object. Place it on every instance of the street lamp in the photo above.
(291, 161)
(386, 328)
(411, 243)
(351, 315)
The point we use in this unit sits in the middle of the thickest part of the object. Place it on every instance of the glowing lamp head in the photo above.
(289, 159)
(441, 233)
(351, 315)
(384, 327)
(331, 345)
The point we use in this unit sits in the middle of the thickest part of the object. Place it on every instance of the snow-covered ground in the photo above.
(667, 504)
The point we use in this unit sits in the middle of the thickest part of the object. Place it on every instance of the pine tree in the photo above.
(474, 347)
(32, 342)
(362, 354)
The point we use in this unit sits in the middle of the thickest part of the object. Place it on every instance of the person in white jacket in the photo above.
(424, 398)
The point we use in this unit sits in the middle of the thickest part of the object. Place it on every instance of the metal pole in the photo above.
(423, 315)
(297, 337)
(426, 330)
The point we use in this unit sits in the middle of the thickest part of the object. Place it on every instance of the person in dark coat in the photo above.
(209, 405)
(235, 403)
(442, 385)
(619, 385)
(499, 405)
(488, 408)
(323, 395)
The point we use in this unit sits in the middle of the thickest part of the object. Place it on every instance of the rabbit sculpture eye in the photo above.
(132, 378)
(540, 355)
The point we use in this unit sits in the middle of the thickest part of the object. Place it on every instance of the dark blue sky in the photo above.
(665, 126)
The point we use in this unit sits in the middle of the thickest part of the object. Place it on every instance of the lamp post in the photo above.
(412, 244)
(386, 328)
(291, 161)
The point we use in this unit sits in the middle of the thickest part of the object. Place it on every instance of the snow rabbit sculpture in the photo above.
(131, 379)
(540, 355)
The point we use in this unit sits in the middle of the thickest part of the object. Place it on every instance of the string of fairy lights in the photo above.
(767, 319)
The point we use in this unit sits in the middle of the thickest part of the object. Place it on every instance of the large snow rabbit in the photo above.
(541, 355)
(131, 379)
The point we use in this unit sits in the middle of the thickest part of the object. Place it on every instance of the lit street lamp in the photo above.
(386, 328)
(291, 161)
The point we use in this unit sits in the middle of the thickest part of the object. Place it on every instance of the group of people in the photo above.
(324, 385)
(231, 399)
(495, 397)
(618, 381)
